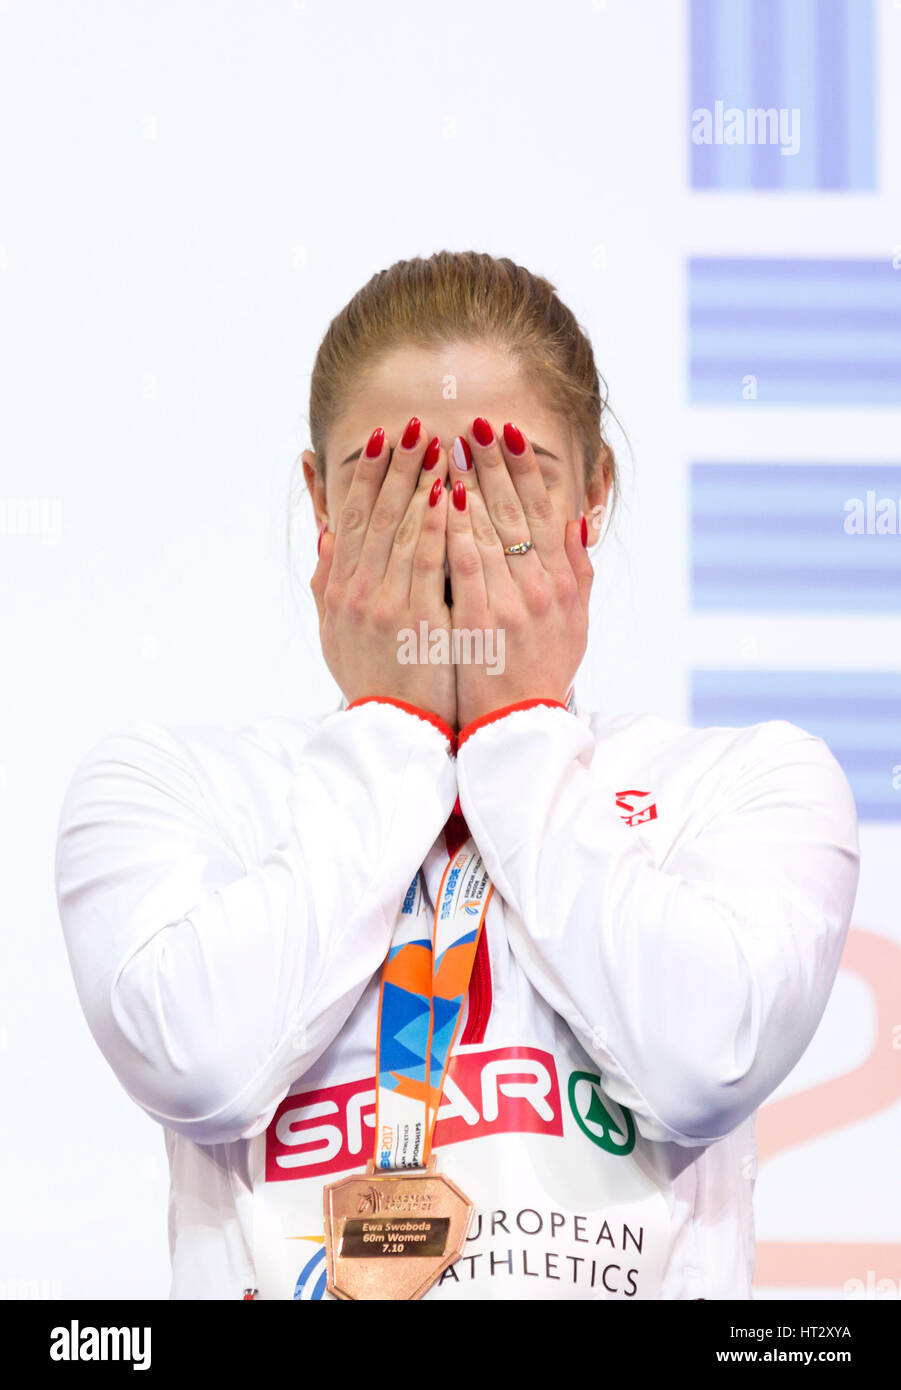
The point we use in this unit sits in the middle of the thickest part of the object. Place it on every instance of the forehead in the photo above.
(447, 386)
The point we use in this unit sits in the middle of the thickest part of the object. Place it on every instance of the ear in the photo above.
(315, 487)
(597, 493)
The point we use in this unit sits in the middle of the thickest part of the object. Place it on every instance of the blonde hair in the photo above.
(466, 296)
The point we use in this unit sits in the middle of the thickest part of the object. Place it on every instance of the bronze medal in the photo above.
(391, 1233)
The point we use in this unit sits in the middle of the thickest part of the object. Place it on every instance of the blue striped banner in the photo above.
(796, 538)
(857, 713)
(794, 332)
(783, 94)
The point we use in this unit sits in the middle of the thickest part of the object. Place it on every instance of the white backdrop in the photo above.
(190, 192)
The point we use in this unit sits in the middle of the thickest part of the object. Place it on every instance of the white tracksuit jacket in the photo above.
(669, 911)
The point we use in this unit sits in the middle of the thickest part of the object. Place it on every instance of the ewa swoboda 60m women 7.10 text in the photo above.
(457, 990)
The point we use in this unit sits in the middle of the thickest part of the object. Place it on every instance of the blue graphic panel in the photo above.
(794, 332)
(783, 95)
(796, 538)
(857, 713)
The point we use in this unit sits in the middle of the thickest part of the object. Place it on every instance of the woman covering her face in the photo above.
(460, 990)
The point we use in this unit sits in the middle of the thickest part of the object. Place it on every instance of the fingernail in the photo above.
(376, 440)
(319, 540)
(435, 493)
(430, 458)
(584, 531)
(513, 439)
(482, 430)
(462, 454)
(459, 496)
(411, 433)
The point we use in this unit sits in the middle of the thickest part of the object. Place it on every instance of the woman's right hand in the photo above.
(383, 570)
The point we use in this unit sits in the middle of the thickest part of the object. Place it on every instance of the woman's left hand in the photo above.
(537, 602)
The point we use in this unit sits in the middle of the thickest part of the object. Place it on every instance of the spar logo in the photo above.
(607, 1124)
(505, 1090)
(635, 813)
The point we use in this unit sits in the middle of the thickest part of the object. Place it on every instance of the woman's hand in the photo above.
(381, 571)
(537, 601)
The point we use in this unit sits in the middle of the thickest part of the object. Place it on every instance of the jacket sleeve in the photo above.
(696, 985)
(210, 984)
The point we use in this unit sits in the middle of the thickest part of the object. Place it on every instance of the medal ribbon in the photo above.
(424, 983)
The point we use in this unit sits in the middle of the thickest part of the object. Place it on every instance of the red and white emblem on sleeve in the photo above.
(635, 807)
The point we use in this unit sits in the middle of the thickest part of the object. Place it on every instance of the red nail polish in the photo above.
(482, 430)
(584, 531)
(435, 493)
(411, 433)
(513, 439)
(430, 458)
(376, 440)
(462, 454)
(459, 496)
(319, 540)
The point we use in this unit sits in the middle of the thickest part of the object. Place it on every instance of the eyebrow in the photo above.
(536, 448)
